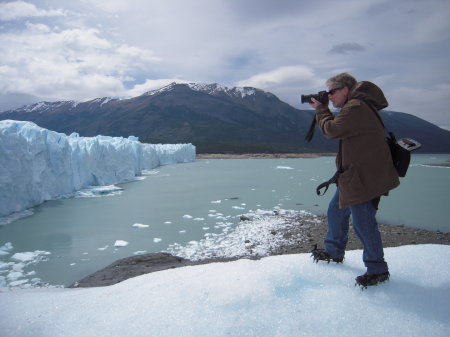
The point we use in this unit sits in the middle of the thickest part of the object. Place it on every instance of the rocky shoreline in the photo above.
(262, 155)
(299, 235)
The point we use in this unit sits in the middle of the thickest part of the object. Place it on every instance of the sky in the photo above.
(53, 50)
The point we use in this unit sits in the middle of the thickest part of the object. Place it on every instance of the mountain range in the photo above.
(215, 118)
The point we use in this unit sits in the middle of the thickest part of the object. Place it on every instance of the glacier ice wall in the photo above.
(37, 164)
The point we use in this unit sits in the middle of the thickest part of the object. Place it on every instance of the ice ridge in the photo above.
(37, 164)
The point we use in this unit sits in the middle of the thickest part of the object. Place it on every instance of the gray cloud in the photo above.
(347, 48)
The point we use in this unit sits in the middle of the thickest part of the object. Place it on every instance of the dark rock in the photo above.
(130, 267)
(133, 266)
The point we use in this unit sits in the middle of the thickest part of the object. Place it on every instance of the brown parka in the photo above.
(364, 156)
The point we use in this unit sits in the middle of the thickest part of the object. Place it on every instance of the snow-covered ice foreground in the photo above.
(37, 164)
(276, 296)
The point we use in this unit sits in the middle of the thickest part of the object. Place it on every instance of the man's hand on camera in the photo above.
(315, 103)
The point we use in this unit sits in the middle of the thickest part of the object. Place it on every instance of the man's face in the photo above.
(338, 96)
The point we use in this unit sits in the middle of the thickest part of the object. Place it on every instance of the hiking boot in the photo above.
(321, 255)
(369, 279)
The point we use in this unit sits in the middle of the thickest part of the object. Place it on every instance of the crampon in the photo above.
(319, 254)
(369, 279)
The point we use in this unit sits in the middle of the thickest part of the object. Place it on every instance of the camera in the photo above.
(321, 96)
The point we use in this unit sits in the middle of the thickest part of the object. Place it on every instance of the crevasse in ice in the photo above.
(37, 164)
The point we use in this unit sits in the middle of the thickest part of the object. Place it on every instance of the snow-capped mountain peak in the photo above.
(41, 107)
(166, 88)
(102, 100)
(217, 89)
(208, 88)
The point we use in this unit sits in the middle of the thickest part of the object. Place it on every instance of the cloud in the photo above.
(77, 63)
(280, 77)
(119, 6)
(136, 52)
(286, 82)
(346, 48)
(19, 9)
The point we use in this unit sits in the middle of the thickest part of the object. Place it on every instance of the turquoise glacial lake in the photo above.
(184, 202)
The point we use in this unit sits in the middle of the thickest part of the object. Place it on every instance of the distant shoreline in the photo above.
(446, 164)
(283, 155)
(262, 155)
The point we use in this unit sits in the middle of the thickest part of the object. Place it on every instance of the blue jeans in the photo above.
(366, 227)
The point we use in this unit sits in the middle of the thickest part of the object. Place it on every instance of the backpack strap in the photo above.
(377, 114)
(309, 136)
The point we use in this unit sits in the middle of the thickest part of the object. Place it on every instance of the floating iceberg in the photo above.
(121, 243)
(37, 164)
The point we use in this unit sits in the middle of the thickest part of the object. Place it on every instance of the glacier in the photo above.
(284, 295)
(37, 164)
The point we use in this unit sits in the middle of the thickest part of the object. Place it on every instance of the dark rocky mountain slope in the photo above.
(215, 118)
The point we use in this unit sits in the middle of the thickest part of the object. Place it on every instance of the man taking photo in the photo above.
(366, 172)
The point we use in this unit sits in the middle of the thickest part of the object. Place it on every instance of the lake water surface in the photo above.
(184, 202)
